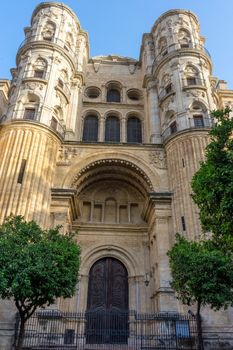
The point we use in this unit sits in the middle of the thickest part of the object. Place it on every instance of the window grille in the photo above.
(112, 129)
(90, 130)
(29, 113)
(134, 130)
(113, 95)
(198, 121)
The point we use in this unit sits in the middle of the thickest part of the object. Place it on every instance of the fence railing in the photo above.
(110, 330)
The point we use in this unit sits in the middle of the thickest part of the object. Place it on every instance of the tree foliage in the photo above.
(212, 184)
(202, 273)
(36, 266)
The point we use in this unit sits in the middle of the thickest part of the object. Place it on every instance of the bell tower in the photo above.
(183, 68)
(42, 110)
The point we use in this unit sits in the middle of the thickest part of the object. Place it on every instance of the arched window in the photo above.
(90, 129)
(134, 130)
(162, 44)
(112, 129)
(30, 106)
(184, 38)
(113, 95)
(40, 68)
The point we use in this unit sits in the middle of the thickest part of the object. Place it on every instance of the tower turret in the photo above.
(42, 109)
(182, 70)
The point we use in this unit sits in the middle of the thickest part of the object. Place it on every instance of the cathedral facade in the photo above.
(108, 146)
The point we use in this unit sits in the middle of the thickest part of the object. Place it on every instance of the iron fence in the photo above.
(110, 330)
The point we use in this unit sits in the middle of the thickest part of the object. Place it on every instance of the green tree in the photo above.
(212, 184)
(36, 267)
(201, 274)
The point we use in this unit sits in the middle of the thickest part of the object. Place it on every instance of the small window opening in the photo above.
(168, 88)
(38, 73)
(54, 123)
(29, 113)
(21, 171)
(173, 127)
(183, 223)
(184, 45)
(60, 83)
(113, 95)
(191, 81)
(198, 121)
(183, 162)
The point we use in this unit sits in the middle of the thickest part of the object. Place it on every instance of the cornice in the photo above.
(20, 123)
(172, 13)
(55, 4)
(44, 45)
(187, 52)
(111, 105)
(183, 133)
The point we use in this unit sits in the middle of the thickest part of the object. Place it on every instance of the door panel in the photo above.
(107, 307)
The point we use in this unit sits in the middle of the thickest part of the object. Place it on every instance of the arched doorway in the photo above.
(107, 305)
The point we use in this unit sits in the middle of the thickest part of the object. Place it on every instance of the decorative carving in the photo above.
(132, 68)
(181, 21)
(33, 86)
(62, 100)
(195, 93)
(166, 104)
(66, 154)
(48, 31)
(119, 162)
(228, 104)
(96, 66)
(158, 159)
(151, 85)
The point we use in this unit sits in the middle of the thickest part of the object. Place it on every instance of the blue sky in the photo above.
(116, 27)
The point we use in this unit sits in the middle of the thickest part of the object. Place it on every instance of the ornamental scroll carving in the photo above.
(158, 159)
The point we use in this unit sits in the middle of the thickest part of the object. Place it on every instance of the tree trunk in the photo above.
(20, 338)
(199, 327)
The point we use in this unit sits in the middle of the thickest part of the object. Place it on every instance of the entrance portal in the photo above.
(107, 306)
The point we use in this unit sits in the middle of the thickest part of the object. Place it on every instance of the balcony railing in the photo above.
(192, 82)
(34, 116)
(64, 88)
(56, 41)
(167, 91)
(185, 123)
(34, 74)
(175, 47)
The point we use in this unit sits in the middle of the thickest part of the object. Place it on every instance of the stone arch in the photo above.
(28, 101)
(147, 177)
(134, 113)
(198, 103)
(102, 251)
(184, 37)
(113, 113)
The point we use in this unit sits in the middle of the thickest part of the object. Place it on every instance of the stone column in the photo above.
(153, 113)
(159, 218)
(61, 206)
(123, 130)
(73, 107)
(101, 130)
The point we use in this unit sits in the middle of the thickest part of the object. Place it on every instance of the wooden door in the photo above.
(107, 307)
